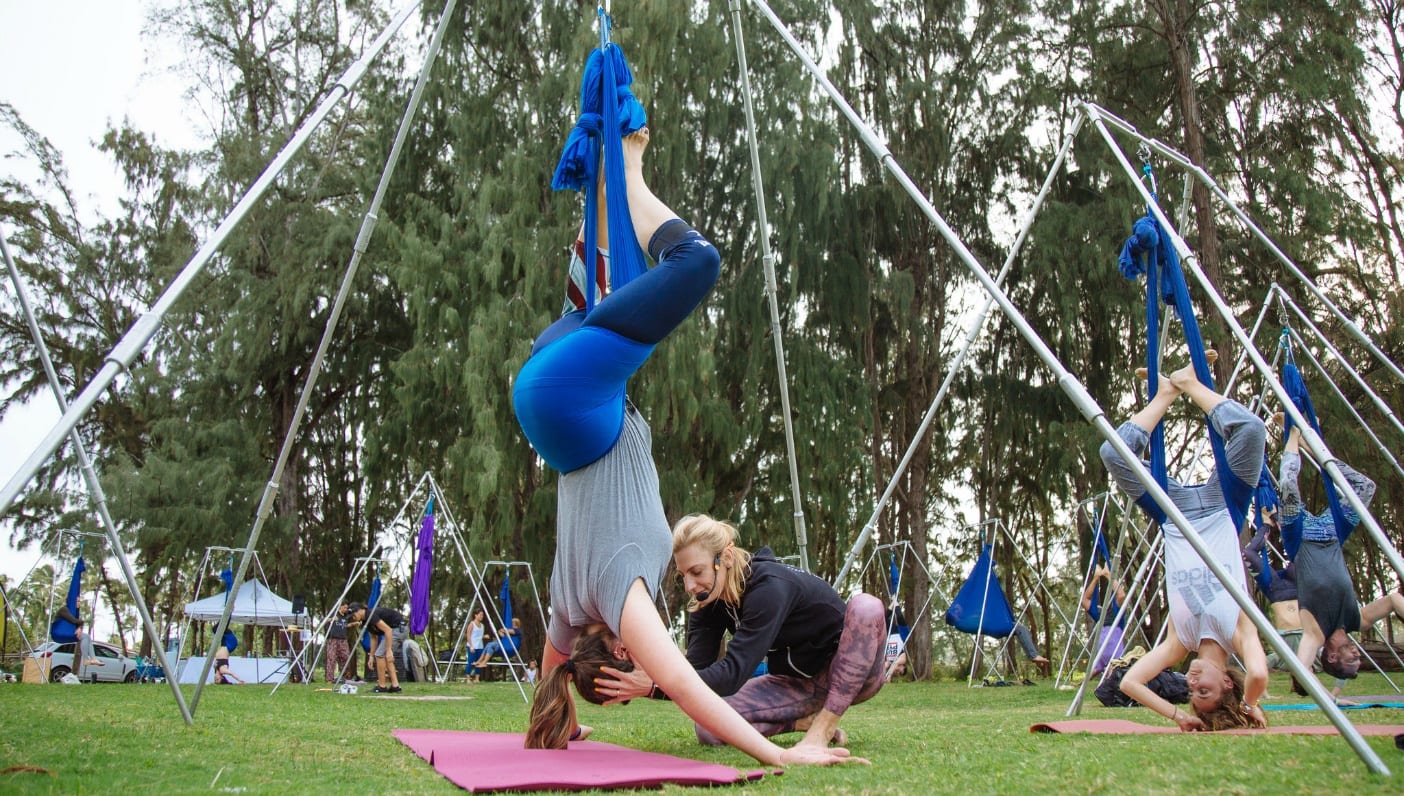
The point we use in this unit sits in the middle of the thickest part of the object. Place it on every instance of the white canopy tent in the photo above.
(255, 604)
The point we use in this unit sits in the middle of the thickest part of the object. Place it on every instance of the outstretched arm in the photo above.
(1134, 683)
(1312, 639)
(643, 633)
(1255, 668)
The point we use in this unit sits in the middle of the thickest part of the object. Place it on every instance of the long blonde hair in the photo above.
(714, 536)
(553, 718)
(1229, 714)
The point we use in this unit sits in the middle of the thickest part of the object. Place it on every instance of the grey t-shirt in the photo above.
(610, 532)
(1324, 587)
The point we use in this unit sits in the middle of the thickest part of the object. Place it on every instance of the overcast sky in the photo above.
(70, 69)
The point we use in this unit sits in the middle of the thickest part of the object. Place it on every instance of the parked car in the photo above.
(116, 668)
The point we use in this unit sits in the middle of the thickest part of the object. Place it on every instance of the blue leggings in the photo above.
(569, 396)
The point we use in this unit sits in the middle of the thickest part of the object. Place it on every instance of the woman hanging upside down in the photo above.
(1203, 616)
(1328, 605)
(612, 537)
(821, 654)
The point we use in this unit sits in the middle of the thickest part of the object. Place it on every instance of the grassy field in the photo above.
(921, 738)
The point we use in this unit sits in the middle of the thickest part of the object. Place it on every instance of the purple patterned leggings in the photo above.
(773, 703)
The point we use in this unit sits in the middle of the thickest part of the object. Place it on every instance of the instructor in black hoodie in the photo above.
(821, 654)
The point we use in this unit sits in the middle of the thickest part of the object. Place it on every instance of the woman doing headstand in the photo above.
(613, 542)
(1203, 616)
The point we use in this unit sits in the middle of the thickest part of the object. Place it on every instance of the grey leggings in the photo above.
(773, 703)
(85, 654)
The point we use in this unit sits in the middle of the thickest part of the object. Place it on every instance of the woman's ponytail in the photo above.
(552, 711)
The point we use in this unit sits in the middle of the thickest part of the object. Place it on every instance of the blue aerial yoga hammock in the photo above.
(62, 630)
(896, 622)
(608, 111)
(508, 643)
(980, 605)
(1102, 554)
(571, 407)
(1149, 251)
(371, 602)
(1265, 499)
(1297, 390)
(229, 640)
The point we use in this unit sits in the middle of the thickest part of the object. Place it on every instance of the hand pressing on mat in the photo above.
(805, 755)
(1188, 722)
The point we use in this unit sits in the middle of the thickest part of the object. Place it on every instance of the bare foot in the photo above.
(836, 738)
(1184, 377)
(634, 145)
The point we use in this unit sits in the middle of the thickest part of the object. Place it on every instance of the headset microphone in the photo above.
(716, 569)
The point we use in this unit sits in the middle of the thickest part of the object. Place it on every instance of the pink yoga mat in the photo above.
(1128, 727)
(492, 761)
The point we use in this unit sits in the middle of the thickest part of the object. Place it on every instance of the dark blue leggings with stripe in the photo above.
(569, 396)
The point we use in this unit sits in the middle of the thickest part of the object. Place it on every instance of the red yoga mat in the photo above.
(1128, 727)
(480, 762)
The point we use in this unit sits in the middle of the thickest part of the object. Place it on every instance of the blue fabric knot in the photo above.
(631, 114)
(1145, 238)
(579, 165)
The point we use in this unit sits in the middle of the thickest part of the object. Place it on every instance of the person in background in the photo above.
(476, 627)
(84, 641)
(222, 673)
(382, 624)
(338, 653)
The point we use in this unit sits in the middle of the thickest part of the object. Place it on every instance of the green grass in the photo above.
(921, 738)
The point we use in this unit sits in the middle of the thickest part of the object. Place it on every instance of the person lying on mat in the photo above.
(1327, 603)
(1204, 618)
(612, 537)
(822, 655)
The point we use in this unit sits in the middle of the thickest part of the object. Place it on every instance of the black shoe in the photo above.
(394, 689)
(380, 690)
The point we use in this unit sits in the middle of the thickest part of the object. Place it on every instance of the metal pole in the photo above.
(136, 338)
(977, 326)
(1326, 377)
(362, 243)
(95, 491)
(768, 265)
(1379, 402)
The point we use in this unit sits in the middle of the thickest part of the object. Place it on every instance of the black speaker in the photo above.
(299, 604)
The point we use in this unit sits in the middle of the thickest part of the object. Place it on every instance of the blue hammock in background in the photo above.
(980, 605)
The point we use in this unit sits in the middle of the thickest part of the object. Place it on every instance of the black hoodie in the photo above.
(788, 617)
